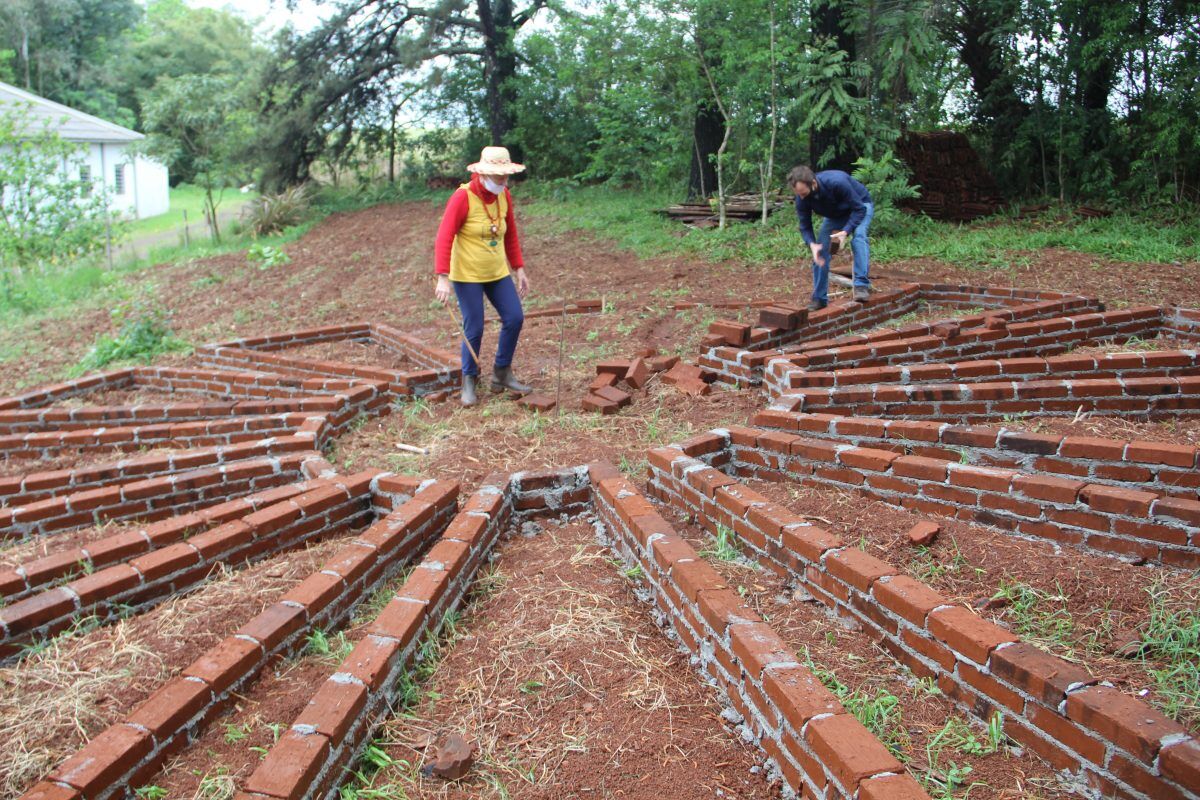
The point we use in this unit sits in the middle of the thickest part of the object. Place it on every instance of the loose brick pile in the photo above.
(1120, 745)
(617, 380)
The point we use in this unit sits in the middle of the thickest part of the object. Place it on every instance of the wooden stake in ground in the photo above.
(462, 331)
(562, 324)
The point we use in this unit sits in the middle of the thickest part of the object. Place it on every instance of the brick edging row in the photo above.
(1119, 744)
(129, 752)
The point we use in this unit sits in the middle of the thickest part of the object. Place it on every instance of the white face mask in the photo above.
(492, 186)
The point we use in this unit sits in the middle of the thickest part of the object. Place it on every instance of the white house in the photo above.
(137, 186)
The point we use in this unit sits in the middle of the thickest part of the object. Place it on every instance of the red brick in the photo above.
(891, 787)
(291, 766)
(638, 373)
(923, 533)
(1049, 749)
(597, 404)
(965, 633)
(1126, 721)
(987, 479)
(723, 607)
(857, 568)
(333, 709)
(849, 750)
(616, 367)
(275, 624)
(1036, 672)
(1042, 487)
(167, 710)
(865, 458)
(756, 646)
(809, 541)
(798, 694)
(907, 597)
(1181, 762)
(930, 469)
(732, 332)
(425, 584)
(51, 791)
(104, 760)
(694, 577)
(1092, 447)
(372, 660)
(1187, 511)
(227, 662)
(316, 591)
(1066, 732)
(669, 551)
(27, 614)
(1116, 500)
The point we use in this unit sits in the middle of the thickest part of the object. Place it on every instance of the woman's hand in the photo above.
(522, 283)
(442, 290)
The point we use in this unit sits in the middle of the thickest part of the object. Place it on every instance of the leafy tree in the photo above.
(48, 213)
(202, 121)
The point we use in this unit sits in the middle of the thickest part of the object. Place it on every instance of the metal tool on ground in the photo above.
(562, 324)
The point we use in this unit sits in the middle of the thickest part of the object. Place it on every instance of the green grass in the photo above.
(627, 217)
(1172, 634)
(186, 197)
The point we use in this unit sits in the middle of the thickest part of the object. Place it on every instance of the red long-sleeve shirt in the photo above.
(456, 214)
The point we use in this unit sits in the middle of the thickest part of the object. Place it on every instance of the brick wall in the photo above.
(200, 433)
(128, 753)
(310, 759)
(22, 489)
(183, 559)
(1103, 519)
(993, 401)
(816, 746)
(1166, 469)
(1119, 745)
(1183, 323)
(1038, 338)
(149, 499)
(746, 363)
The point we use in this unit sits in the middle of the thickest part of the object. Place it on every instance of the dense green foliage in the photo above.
(46, 216)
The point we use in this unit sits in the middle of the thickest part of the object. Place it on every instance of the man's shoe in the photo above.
(468, 390)
(861, 293)
(816, 305)
(503, 378)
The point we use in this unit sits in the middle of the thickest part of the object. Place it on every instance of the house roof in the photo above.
(70, 123)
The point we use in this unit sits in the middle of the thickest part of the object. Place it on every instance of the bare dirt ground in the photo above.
(376, 265)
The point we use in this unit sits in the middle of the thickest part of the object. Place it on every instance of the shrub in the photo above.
(273, 212)
(144, 334)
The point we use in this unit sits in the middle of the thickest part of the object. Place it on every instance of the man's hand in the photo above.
(522, 283)
(818, 259)
(442, 290)
(839, 237)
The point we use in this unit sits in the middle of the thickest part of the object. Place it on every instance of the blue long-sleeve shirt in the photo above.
(838, 197)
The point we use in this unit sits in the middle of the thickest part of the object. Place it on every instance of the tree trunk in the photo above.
(708, 132)
(830, 21)
(499, 67)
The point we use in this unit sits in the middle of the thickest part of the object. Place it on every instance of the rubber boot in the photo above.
(468, 390)
(503, 378)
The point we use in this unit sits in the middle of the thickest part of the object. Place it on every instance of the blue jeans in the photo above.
(858, 247)
(502, 294)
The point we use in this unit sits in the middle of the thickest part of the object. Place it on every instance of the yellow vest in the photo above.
(477, 255)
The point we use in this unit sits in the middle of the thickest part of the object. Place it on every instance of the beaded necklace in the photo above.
(495, 226)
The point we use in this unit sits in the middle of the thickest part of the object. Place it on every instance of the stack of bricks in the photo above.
(1117, 744)
(1123, 519)
(128, 753)
(1170, 470)
(817, 747)
(616, 380)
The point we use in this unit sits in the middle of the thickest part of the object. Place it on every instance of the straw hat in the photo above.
(495, 161)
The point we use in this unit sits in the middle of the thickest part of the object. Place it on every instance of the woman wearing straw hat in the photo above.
(470, 261)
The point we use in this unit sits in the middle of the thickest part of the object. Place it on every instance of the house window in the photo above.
(119, 179)
(85, 178)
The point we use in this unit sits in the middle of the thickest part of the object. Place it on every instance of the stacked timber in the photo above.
(743, 207)
(954, 184)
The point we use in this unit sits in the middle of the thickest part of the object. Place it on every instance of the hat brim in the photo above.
(495, 169)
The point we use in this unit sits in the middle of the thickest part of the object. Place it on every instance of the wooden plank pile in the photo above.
(739, 207)
(953, 181)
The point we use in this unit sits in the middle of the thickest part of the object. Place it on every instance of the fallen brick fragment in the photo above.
(453, 759)
(923, 533)
(537, 402)
(638, 374)
(615, 395)
(596, 403)
(661, 363)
